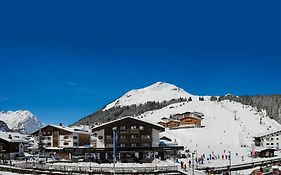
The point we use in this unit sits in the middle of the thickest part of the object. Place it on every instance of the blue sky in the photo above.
(64, 60)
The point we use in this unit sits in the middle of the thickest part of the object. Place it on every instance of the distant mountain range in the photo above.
(20, 121)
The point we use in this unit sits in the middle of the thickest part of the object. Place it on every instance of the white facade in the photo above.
(271, 141)
(100, 139)
(155, 138)
(71, 138)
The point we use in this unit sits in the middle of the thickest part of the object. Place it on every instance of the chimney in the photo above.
(60, 124)
(10, 136)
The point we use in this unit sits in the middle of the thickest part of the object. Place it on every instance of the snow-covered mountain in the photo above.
(22, 121)
(220, 132)
(157, 92)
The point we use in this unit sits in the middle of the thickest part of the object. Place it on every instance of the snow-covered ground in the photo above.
(221, 133)
(10, 173)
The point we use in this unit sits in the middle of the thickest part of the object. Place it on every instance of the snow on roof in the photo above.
(259, 149)
(128, 117)
(12, 137)
(266, 133)
(66, 128)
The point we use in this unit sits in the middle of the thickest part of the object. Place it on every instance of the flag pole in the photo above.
(115, 137)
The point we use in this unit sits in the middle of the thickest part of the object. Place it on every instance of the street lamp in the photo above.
(229, 161)
(193, 163)
(196, 159)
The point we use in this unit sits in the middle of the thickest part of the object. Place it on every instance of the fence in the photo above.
(99, 170)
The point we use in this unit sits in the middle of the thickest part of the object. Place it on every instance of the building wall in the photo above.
(271, 141)
(83, 139)
(100, 139)
(190, 121)
(66, 140)
(155, 137)
(173, 124)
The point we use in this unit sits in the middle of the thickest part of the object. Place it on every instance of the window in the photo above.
(146, 145)
(267, 143)
(145, 136)
(109, 145)
(122, 145)
(272, 143)
(75, 143)
(277, 138)
(134, 136)
(65, 143)
(133, 127)
(141, 127)
(75, 137)
(123, 136)
(122, 128)
(65, 137)
(108, 136)
(49, 138)
(133, 144)
(272, 138)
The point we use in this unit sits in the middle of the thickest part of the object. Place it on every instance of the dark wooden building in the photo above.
(11, 145)
(137, 140)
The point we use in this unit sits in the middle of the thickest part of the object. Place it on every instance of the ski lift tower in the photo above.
(261, 116)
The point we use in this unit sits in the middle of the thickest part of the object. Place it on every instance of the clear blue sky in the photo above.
(63, 60)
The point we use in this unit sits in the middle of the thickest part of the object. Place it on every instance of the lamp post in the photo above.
(193, 163)
(196, 159)
(115, 137)
(229, 161)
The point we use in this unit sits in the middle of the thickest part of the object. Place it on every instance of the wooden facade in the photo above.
(132, 133)
(187, 120)
(169, 123)
(9, 149)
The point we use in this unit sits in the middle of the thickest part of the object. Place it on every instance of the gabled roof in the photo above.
(12, 137)
(168, 121)
(102, 126)
(65, 128)
(259, 149)
(263, 134)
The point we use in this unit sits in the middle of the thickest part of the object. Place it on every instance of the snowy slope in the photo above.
(157, 92)
(221, 132)
(23, 121)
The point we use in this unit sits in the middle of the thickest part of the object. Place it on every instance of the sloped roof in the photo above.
(156, 126)
(263, 134)
(65, 128)
(12, 137)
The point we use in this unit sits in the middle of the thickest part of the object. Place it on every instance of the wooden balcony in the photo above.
(134, 130)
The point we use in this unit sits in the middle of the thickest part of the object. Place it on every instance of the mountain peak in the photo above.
(21, 120)
(156, 92)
